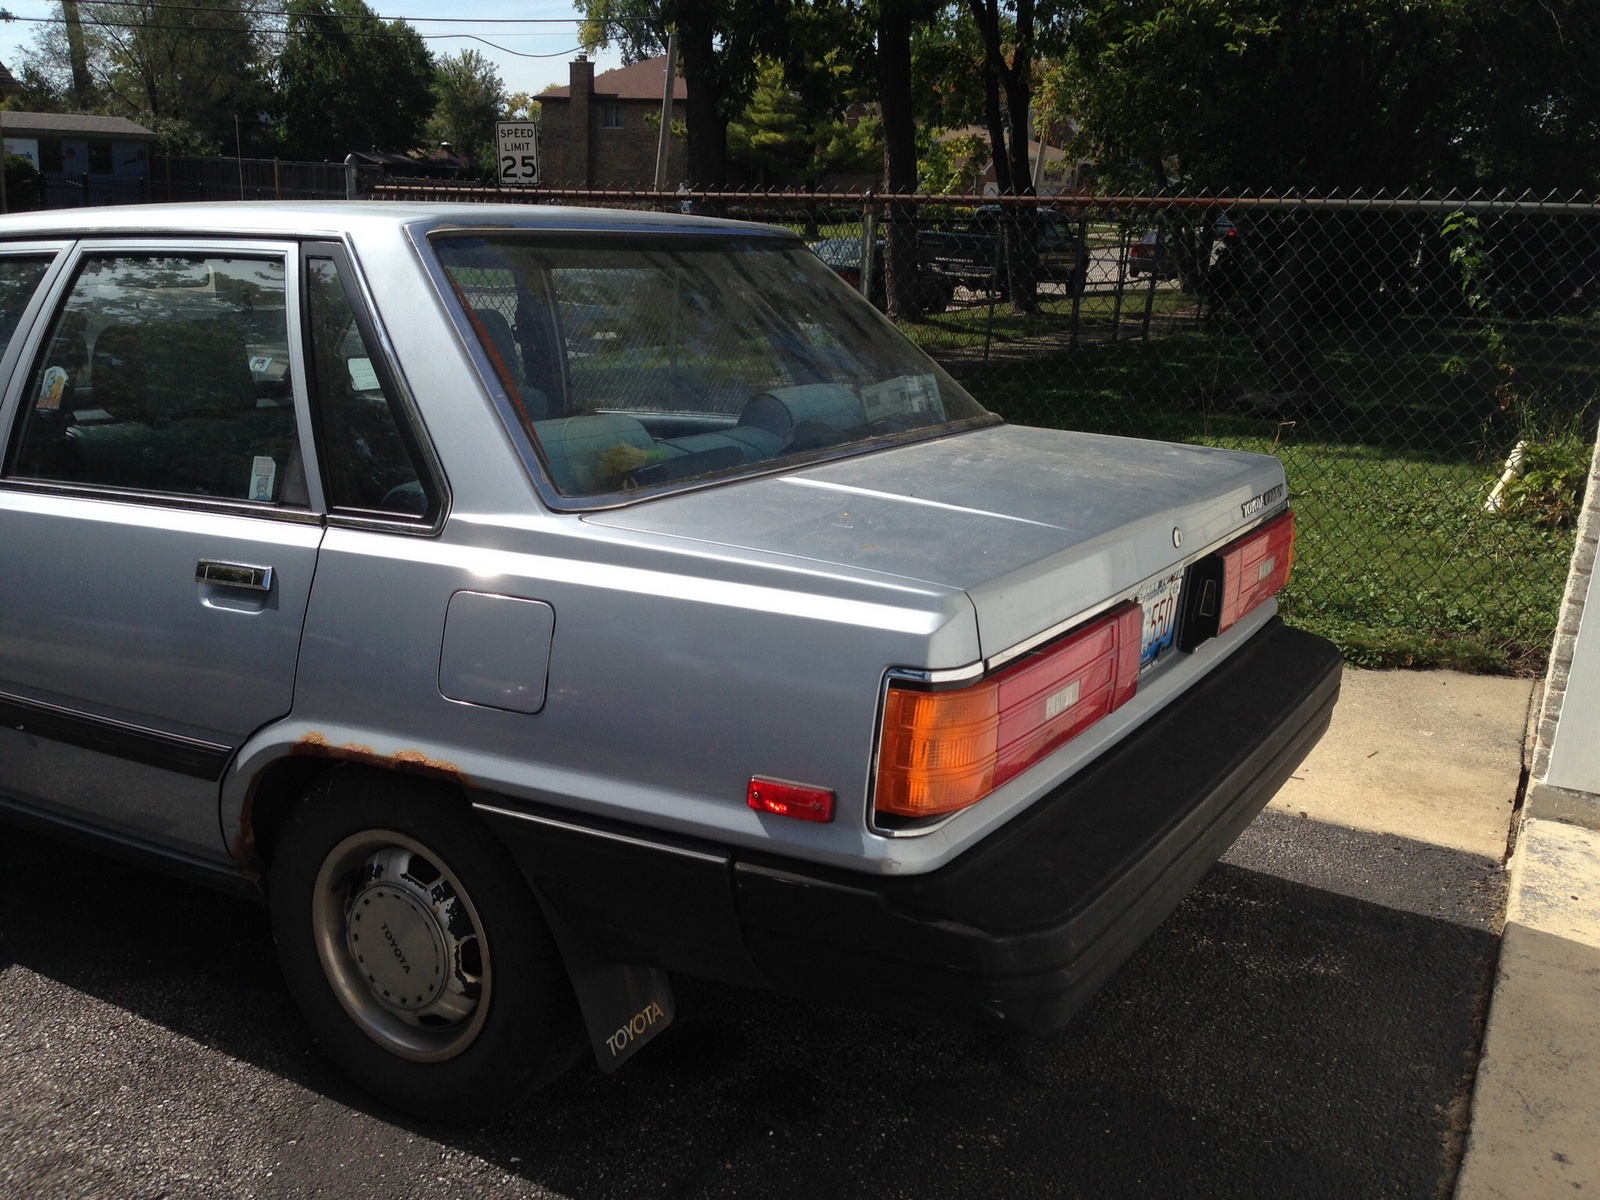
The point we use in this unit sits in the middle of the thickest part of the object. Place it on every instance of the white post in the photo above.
(664, 141)
(869, 243)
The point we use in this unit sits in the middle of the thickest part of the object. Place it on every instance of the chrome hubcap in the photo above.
(402, 945)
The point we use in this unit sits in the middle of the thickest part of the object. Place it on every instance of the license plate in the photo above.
(1159, 599)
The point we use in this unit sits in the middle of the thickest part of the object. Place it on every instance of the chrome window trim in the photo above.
(348, 264)
(219, 505)
(421, 234)
(977, 670)
(22, 342)
(54, 289)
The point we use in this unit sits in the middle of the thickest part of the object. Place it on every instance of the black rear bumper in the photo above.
(1019, 930)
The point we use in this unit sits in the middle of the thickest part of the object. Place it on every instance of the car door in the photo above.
(160, 530)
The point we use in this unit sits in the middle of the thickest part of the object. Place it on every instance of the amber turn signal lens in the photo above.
(944, 751)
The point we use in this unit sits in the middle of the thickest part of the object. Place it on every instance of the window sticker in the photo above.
(263, 474)
(51, 389)
(903, 394)
(362, 377)
(260, 363)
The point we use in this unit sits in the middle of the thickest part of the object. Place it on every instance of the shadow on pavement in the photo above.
(1271, 1039)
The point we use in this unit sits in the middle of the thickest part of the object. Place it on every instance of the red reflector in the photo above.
(1255, 569)
(789, 799)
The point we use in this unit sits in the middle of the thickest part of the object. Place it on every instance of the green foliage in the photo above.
(790, 142)
(22, 184)
(1342, 93)
(947, 70)
(188, 69)
(349, 80)
(469, 98)
(946, 165)
(1550, 489)
(638, 28)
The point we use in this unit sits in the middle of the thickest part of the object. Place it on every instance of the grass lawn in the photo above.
(1396, 562)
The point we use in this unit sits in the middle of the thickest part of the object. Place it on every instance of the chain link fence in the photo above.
(1428, 369)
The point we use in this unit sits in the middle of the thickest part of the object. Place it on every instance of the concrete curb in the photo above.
(1535, 1128)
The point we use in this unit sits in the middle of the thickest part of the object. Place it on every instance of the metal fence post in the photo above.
(1080, 284)
(350, 185)
(1123, 235)
(1149, 298)
(869, 240)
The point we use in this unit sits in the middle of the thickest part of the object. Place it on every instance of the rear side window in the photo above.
(369, 451)
(167, 373)
(19, 279)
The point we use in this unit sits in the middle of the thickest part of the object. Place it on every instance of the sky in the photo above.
(528, 56)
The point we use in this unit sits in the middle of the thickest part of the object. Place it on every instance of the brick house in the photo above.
(595, 133)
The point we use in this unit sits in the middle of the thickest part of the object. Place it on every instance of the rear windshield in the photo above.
(642, 362)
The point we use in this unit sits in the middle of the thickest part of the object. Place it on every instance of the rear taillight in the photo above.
(1255, 568)
(942, 751)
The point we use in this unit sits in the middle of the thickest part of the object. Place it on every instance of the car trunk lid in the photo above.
(1036, 526)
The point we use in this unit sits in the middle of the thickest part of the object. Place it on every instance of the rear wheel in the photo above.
(416, 950)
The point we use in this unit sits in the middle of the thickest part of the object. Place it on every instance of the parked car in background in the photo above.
(843, 254)
(527, 603)
(1148, 256)
(972, 252)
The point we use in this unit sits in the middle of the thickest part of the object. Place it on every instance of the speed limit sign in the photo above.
(518, 143)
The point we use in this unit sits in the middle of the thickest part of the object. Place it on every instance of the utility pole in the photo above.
(664, 141)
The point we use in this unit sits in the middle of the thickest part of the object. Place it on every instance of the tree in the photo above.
(790, 143)
(349, 80)
(189, 69)
(469, 99)
(718, 44)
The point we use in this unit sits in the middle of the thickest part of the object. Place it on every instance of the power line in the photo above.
(149, 26)
(337, 16)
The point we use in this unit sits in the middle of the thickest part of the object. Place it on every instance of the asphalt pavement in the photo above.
(1306, 1024)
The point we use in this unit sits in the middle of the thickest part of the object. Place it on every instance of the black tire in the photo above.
(522, 1030)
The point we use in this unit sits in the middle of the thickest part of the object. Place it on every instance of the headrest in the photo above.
(781, 409)
(166, 371)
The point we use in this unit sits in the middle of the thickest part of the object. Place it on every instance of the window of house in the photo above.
(51, 160)
(100, 158)
(611, 116)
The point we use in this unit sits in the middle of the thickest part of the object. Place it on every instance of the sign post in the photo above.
(518, 144)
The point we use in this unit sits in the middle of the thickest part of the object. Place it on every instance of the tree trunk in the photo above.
(899, 159)
(708, 128)
(82, 85)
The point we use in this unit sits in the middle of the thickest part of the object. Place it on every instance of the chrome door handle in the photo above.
(235, 575)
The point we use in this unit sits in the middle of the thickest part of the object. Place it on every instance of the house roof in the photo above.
(31, 124)
(641, 81)
(8, 82)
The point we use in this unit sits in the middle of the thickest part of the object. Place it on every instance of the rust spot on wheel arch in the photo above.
(242, 846)
(413, 762)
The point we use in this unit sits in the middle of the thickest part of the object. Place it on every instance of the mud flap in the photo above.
(623, 1006)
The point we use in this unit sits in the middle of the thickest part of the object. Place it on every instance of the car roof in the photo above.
(335, 218)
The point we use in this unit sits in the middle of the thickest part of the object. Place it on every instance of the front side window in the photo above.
(167, 373)
(639, 362)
